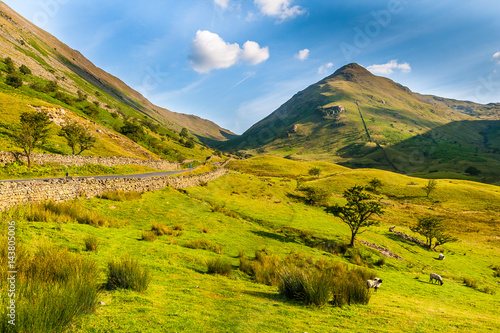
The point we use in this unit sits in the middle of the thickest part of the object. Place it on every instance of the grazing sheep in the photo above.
(436, 277)
(375, 283)
(441, 256)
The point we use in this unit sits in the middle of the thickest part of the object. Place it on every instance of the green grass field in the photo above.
(246, 211)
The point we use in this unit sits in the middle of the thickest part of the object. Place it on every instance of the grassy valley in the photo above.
(257, 210)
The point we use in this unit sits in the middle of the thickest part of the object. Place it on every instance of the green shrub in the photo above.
(127, 273)
(91, 243)
(219, 266)
(204, 244)
(121, 195)
(53, 288)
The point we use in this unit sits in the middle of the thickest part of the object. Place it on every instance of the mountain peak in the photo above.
(351, 72)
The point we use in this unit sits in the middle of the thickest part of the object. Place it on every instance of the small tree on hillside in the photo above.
(184, 132)
(315, 172)
(25, 70)
(316, 196)
(430, 187)
(11, 67)
(358, 210)
(374, 184)
(472, 171)
(32, 132)
(77, 137)
(14, 80)
(434, 231)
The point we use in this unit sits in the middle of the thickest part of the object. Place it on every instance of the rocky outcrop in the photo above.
(77, 160)
(64, 189)
(385, 252)
(407, 237)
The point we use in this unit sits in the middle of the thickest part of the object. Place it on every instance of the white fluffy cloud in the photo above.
(253, 53)
(281, 9)
(302, 55)
(386, 69)
(324, 69)
(496, 57)
(222, 3)
(209, 51)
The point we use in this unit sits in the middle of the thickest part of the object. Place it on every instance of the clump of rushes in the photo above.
(148, 236)
(91, 243)
(204, 245)
(127, 273)
(53, 288)
(219, 266)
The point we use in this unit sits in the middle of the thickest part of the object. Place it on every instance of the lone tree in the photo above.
(430, 187)
(434, 231)
(358, 210)
(374, 184)
(472, 171)
(77, 137)
(316, 196)
(315, 172)
(184, 132)
(32, 132)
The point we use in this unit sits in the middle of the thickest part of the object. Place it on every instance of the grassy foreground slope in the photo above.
(257, 204)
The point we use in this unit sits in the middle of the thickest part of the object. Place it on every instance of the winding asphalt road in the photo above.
(138, 175)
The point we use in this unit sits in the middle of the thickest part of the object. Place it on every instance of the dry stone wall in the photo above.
(76, 160)
(58, 190)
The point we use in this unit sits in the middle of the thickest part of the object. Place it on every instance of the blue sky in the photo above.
(236, 61)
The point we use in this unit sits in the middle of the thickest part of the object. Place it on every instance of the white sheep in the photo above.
(436, 277)
(375, 283)
(441, 256)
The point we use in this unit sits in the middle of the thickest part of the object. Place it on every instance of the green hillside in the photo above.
(58, 80)
(358, 119)
(258, 207)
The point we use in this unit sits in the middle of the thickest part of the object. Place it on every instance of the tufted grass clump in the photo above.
(496, 271)
(148, 236)
(219, 266)
(70, 211)
(127, 273)
(204, 244)
(161, 229)
(470, 282)
(310, 287)
(91, 243)
(311, 282)
(121, 195)
(53, 288)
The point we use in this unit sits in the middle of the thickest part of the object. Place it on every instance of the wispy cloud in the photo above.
(209, 51)
(222, 3)
(302, 55)
(389, 68)
(281, 9)
(324, 69)
(496, 57)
